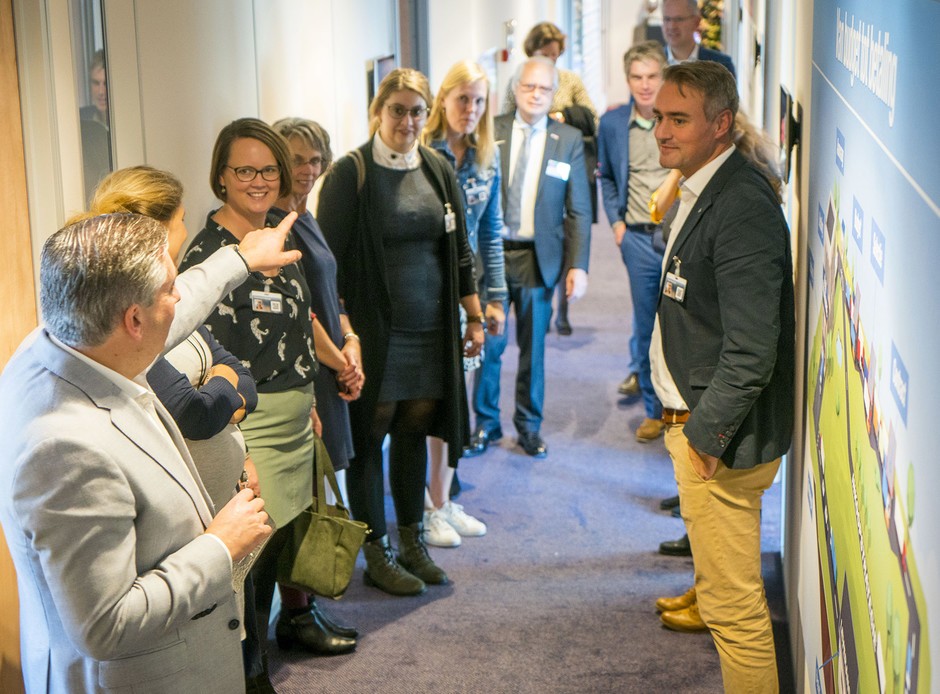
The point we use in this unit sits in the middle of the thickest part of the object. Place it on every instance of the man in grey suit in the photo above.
(125, 577)
(722, 358)
(547, 212)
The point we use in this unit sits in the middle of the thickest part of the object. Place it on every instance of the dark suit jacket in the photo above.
(613, 153)
(730, 345)
(717, 57)
(562, 208)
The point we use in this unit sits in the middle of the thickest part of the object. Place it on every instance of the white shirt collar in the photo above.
(672, 60)
(134, 389)
(540, 124)
(390, 159)
(695, 184)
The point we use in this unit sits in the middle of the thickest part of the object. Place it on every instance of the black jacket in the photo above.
(344, 214)
(730, 345)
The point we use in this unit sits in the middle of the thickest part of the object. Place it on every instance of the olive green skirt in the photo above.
(280, 441)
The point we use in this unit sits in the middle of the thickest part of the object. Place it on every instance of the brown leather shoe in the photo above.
(650, 430)
(688, 620)
(677, 603)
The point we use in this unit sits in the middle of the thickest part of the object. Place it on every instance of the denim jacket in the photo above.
(484, 216)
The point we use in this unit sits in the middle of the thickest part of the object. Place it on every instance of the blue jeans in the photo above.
(533, 306)
(643, 255)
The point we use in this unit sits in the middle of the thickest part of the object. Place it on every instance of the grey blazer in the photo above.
(562, 208)
(120, 589)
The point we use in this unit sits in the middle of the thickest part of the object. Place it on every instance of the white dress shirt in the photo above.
(672, 60)
(533, 170)
(691, 188)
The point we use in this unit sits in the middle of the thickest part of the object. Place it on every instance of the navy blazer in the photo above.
(730, 344)
(562, 208)
(613, 154)
(717, 57)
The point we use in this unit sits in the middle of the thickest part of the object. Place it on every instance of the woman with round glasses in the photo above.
(392, 214)
(460, 128)
(266, 324)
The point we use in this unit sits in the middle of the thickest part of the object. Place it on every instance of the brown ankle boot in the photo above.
(413, 555)
(383, 572)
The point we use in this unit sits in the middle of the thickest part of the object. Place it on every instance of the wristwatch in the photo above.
(476, 318)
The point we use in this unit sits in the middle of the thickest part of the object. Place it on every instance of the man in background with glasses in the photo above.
(547, 212)
(681, 19)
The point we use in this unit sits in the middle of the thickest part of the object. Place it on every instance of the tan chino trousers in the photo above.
(722, 518)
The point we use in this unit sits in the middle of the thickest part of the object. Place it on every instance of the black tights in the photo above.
(408, 422)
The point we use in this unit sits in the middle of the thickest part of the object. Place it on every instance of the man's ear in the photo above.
(724, 125)
(132, 322)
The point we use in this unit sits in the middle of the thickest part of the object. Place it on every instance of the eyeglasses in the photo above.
(246, 174)
(677, 20)
(397, 111)
(530, 87)
(313, 161)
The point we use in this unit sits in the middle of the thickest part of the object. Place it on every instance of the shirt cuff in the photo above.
(227, 553)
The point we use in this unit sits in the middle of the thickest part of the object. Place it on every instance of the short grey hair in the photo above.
(692, 5)
(92, 271)
(310, 133)
(541, 59)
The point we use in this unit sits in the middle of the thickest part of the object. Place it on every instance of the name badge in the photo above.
(450, 219)
(477, 194)
(558, 169)
(675, 284)
(266, 302)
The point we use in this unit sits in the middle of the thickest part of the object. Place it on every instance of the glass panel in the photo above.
(91, 77)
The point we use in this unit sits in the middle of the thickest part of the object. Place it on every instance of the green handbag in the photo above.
(320, 556)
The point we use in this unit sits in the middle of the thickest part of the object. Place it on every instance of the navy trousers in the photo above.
(532, 302)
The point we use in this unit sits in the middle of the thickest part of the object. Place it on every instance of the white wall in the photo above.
(466, 30)
(622, 16)
(181, 70)
(317, 70)
(196, 73)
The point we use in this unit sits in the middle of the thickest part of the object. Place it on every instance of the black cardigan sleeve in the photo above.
(338, 216)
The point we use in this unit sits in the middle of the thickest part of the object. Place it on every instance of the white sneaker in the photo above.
(438, 532)
(463, 523)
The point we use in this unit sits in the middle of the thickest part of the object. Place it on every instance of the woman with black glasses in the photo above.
(266, 324)
(391, 212)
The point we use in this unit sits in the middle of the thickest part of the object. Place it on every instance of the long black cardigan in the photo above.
(344, 213)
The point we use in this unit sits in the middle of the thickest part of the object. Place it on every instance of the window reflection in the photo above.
(92, 82)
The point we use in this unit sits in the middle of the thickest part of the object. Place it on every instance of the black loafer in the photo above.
(480, 439)
(676, 548)
(669, 503)
(308, 633)
(563, 326)
(331, 624)
(533, 444)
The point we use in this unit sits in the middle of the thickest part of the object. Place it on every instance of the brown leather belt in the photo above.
(671, 416)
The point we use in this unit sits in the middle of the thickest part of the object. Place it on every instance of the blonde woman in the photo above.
(460, 127)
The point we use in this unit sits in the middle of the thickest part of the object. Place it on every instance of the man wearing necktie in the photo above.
(547, 212)
(125, 577)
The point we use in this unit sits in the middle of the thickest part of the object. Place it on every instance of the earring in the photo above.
(223, 190)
